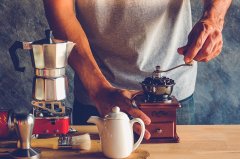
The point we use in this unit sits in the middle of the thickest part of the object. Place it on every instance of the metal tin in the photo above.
(6, 124)
(51, 125)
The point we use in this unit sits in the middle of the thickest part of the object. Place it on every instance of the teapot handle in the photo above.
(138, 120)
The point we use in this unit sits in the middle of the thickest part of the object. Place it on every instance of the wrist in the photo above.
(100, 90)
(211, 17)
(215, 11)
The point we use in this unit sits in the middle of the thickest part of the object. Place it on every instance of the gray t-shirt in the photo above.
(130, 37)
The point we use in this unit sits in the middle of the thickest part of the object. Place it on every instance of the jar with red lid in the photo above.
(6, 123)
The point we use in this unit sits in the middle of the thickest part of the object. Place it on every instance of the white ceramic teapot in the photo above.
(116, 133)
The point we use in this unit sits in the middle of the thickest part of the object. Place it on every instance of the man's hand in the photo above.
(110, 97)
(205, 40)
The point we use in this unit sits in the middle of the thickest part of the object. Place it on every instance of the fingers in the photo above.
(135, 92)
(216, 51)
(206, 50)
(215, 54)
(211, 48)
(136, 113)
(206, 47)
(181, 50)
(137, 129)
(194, 45)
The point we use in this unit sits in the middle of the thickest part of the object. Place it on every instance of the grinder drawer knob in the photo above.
(159, 131)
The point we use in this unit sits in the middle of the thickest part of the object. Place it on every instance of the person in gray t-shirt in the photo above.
(120, 41)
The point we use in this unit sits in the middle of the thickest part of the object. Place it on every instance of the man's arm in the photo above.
(62, 20)
(205, 40)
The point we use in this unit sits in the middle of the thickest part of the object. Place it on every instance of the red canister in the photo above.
(51, 125)
(6, 123)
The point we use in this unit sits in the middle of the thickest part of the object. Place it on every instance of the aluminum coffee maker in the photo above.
(49, 59)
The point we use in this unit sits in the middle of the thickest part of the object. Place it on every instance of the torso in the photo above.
(130, 37)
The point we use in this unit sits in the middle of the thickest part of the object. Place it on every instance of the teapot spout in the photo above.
(97, 121)
(70, 46)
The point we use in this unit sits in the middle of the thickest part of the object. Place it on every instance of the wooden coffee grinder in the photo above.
(156, 101)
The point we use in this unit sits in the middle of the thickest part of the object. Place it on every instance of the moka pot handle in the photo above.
(14, 56)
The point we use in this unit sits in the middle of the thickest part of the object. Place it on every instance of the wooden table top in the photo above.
(196, 142)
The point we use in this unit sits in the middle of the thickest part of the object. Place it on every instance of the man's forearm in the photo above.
(216, 10)
(64, 24)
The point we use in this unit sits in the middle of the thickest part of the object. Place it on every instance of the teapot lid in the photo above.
(116, 114)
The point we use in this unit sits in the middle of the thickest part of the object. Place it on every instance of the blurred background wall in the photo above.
(217, 90)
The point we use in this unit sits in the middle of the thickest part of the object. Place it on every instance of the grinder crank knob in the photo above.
(24, 126)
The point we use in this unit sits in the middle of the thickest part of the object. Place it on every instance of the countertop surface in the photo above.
(196, 142)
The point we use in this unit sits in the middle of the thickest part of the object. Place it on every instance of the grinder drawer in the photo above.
(160, 115)
(161, 129)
